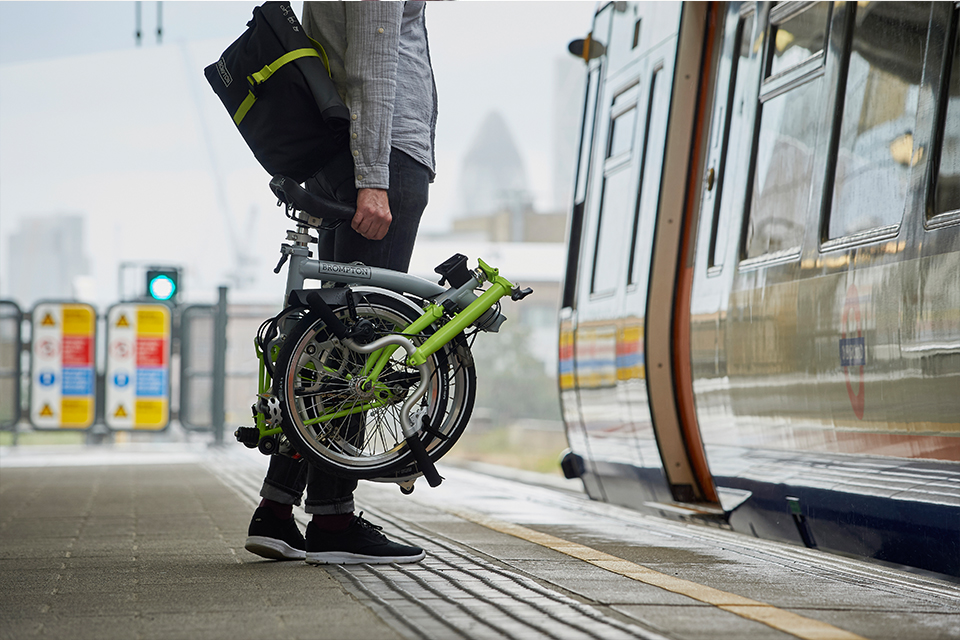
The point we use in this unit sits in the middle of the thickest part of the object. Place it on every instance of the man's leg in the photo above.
(334, 534)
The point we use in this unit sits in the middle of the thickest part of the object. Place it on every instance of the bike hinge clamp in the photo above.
(287, 250)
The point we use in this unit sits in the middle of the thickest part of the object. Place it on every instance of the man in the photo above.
(380, 62)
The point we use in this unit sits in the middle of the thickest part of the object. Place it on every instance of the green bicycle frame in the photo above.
(377, 361)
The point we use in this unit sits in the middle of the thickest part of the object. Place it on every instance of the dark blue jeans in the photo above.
(409, 182)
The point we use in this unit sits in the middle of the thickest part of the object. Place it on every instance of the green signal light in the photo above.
(162, 287)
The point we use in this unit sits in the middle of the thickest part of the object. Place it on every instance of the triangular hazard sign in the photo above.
(120, 412)
(46, 411)
(48, 321)
(122, 322)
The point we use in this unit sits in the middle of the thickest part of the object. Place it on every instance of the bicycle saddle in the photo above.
(329, 193)
(318, 204)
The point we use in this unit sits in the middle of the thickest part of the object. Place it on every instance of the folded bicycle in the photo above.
(369, 376)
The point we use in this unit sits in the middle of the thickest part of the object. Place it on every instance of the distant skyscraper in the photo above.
(45, 257)
(492, 177)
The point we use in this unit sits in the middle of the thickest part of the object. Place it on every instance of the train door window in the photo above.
(616, 195)
(580, 186)
(946, 188)
(586, 135)
(791, 111)
(875, 149)
(733, 134)
(622, 124)
(654, 131)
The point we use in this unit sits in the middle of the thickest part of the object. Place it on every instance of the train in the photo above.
(760, 315)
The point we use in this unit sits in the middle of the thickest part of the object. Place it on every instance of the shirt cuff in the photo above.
(372, 176)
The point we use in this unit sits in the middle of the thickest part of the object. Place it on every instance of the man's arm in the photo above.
(373, 40)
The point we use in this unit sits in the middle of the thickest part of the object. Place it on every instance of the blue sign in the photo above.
(121, 379)
(47, 378)
(151, 382)
(853, 352)
(77, 381)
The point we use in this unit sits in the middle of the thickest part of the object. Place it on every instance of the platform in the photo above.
(147, 542)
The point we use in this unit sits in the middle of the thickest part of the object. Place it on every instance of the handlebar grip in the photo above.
(290, 192)
(424, 463)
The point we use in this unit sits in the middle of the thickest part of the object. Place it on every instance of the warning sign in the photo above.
(138, 366)
(63, 382)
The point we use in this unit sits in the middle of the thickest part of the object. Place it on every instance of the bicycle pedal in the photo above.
(247, 436)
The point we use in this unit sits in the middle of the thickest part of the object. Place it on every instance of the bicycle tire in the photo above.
(314, 373)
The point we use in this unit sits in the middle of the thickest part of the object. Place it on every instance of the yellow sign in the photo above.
(46, 411)
(122, 322)
(152, 321)
(120, 412)
(78, 320)
(48, 321)
(150, 413)
(77, 412)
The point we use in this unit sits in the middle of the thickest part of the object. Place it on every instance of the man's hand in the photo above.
(372, 219)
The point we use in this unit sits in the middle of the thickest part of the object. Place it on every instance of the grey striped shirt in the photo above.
(380, 61)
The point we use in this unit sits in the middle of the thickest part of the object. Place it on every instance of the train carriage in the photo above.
(760, 325)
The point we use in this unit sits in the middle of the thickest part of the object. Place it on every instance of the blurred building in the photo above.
(492, 176)
(46, 259)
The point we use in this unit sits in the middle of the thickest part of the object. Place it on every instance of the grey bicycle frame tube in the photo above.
(303, 268)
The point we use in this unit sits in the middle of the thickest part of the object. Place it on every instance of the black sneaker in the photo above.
(360, 543)
(271, 537)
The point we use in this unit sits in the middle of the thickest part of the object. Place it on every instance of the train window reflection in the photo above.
(876, 149)
(617, 197)
(734, 137)
(800, 36)
(947, 197)
(784, 166)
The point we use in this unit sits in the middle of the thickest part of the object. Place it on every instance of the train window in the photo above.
(617, 197)
(875, 150)
(645, 209)
(623, 123)
(947, 188)
(791, 112)
(734, 134)
(586, 134)
(784, 169)
(799, 35)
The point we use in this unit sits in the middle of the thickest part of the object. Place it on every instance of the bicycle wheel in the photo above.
(337, 425)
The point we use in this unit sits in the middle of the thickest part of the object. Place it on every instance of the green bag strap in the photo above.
(264, 74)
(243, 108)
(259, 77)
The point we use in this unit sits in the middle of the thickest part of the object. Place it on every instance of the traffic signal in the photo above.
(163, 283)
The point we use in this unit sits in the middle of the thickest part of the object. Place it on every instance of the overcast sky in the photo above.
(134, 139)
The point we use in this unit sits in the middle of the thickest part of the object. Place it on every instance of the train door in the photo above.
(582, 460)
(669, 378)
(610, 197)
(725, 167)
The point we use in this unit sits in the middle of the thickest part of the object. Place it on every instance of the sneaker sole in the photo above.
(273, 549)
(342, 557)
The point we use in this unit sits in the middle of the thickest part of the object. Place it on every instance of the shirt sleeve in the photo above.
(370, 60)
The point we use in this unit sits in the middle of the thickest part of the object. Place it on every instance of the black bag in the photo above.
(274, 83)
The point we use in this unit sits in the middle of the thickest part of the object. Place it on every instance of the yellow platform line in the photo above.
(796, 625)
